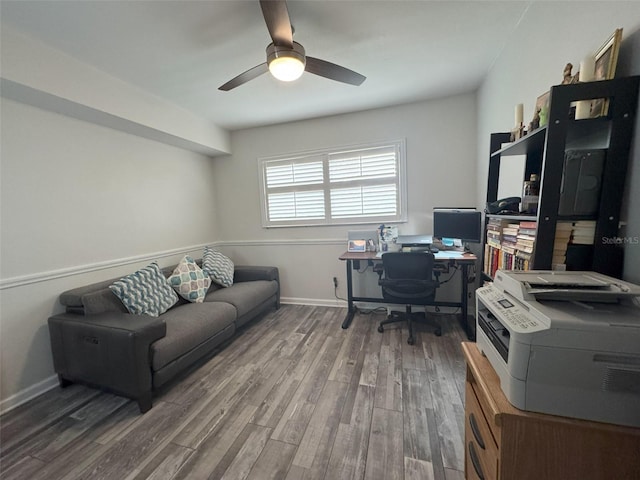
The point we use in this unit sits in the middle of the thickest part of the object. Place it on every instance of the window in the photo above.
(362, 184)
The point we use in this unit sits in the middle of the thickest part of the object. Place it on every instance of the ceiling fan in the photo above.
(286, 59)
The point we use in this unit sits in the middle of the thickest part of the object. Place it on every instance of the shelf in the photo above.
(545, 151)
(524, 218)
(529, 143)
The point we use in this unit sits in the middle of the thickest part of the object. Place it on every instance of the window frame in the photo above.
(326, 186)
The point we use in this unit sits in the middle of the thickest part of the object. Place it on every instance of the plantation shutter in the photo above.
(354, 185)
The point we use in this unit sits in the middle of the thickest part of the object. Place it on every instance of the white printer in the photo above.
(564, 343)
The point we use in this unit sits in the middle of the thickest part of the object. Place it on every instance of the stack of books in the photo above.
(526, 236)
(525, 244)
(494, 231)
(563, 236)
(584, 232)
(510, 236)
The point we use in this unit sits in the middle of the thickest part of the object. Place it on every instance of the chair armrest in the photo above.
(110, 350)
(248, 273)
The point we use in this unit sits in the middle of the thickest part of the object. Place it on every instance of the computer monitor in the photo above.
(462, 223)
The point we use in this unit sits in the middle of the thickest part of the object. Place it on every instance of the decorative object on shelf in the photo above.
(518, 130)
(535, 121)
(606, 60)
(530, 195)
(587, 69)
(567, 77)
(586, 74)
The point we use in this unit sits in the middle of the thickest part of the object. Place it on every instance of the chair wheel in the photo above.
(380, 329)
(438, 332)
(411, 341)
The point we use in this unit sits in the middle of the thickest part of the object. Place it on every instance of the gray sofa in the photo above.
(97, 342)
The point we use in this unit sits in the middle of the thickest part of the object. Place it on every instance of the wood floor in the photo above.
(293, 396)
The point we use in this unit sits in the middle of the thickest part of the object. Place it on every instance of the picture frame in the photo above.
(606, 61)
(542, 108)
(607, 57)
(357, 246)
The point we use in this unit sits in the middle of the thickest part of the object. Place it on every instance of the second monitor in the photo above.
(461, 223)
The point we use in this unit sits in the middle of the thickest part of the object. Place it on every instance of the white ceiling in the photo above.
(183, 51)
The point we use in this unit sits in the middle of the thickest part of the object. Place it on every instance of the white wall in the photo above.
(82, 203)
(533, 60)
(37, 74)
(440, 140)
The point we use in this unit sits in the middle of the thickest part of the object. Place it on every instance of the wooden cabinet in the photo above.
(561, 154)
(504, 443)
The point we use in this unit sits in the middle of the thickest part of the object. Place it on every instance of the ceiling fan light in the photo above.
(286, 69)
(286, 63)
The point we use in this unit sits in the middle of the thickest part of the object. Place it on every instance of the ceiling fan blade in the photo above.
(245, 77)
(333, 71)
(276, 16)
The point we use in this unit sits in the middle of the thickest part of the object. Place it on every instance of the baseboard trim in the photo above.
(29, 393)
(315, 302)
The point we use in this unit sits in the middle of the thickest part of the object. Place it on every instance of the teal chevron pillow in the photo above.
(218, 267)
(189, 280)
(145, 291)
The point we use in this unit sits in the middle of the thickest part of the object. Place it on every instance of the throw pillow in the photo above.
(218, 267)
(145, 291)
(189, 280)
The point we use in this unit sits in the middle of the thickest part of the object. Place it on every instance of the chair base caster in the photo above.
(438, 332)
(411, 340)
(380, 328)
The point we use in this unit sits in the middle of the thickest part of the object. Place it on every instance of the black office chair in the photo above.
(408, 279)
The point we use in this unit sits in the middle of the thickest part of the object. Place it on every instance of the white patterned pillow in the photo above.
(218, 267)
(145, 291)
(189, 280)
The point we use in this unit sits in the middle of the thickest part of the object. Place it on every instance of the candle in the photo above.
(583, 109)
(519, 114)
(587, 74)
(587, 69)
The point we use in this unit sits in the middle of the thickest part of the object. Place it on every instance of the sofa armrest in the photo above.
(110, 350)
(248, 273)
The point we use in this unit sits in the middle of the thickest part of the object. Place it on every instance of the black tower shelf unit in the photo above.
(545, 150)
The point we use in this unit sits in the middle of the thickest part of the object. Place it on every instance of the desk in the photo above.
(464, 261)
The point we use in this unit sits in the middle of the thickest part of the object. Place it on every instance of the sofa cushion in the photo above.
(145, 291)
(218, 267)
(189, 280)
(245, 296)
(188, 326)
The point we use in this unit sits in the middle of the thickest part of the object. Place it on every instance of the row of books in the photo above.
(499, 259)
(509, 245)
(571, 233)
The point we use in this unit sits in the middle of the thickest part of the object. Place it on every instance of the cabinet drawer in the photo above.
(481, 448)
(473, 468)
(482, 400)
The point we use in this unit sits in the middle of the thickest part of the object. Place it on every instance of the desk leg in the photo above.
(464, 302)
(350, 309)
